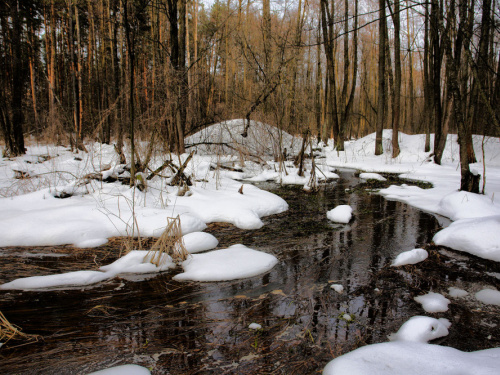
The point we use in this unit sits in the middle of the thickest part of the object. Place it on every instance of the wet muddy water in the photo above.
(202, 328)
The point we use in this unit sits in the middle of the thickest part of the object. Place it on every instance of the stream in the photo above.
(202, 328)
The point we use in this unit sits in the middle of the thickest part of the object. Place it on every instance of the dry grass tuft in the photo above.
(169, 243)
(9, 331)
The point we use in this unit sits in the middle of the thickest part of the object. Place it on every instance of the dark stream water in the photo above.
(202, 328)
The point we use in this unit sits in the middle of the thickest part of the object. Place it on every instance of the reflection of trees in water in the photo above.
(187, 327)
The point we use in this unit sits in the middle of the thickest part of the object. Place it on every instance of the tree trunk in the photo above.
(327, 27)
(397, 82)
(130, 38)
(182, 79)
(468, 182)
(379, 150)
(18, 79)
(436, 22)
(427, 115)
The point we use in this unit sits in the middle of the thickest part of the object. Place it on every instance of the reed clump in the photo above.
(9, 331)
(170, 243)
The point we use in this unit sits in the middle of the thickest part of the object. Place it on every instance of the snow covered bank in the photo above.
(414, 358)
(235, 262)
(410, 354)
(95, 210)
(123, 370)
(476, 229)
(133, 262)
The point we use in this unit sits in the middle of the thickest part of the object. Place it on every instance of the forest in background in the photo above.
(159, 70)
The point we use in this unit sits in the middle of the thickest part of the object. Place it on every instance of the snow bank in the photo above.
(77, 278)
(229, 206)
(443, 198)
(340, 214)
(414, 358)
(371, 176)
(410, 257)
(410, 354)
(479, 236)
(112, 209)
(464, 205)
(235, 262)
(133, 262)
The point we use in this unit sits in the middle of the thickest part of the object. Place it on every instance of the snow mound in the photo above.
(340, 214)
(464, 205)
(254, 326)
(410, 257)
(414, 358)
(457, 293)
(372, 176)
(489, 296)
(433, 302)
(338, 288)
(478, 236)
(229, 206)
(77, 278)
(235, 262)
(226, 137)
(123, 370)
(409, 354)
(422, 329)
(135, 262)
(199, 241)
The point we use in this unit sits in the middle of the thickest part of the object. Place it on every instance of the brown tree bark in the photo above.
(397, 81)
(18, 79)
(436, 29)
(379, 150)
(328, 40)
(468, 181)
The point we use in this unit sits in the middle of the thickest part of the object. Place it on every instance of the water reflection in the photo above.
(187, 328)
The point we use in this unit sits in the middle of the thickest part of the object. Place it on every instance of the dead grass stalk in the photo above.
(9, 331)
(169, 243)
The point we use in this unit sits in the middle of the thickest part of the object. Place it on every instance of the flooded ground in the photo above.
(202, 328)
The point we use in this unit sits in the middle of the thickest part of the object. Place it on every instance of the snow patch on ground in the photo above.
(457, 292)
(422, 329)
(338, 288)
(254, 326)
(489, 296)
(433, 302)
